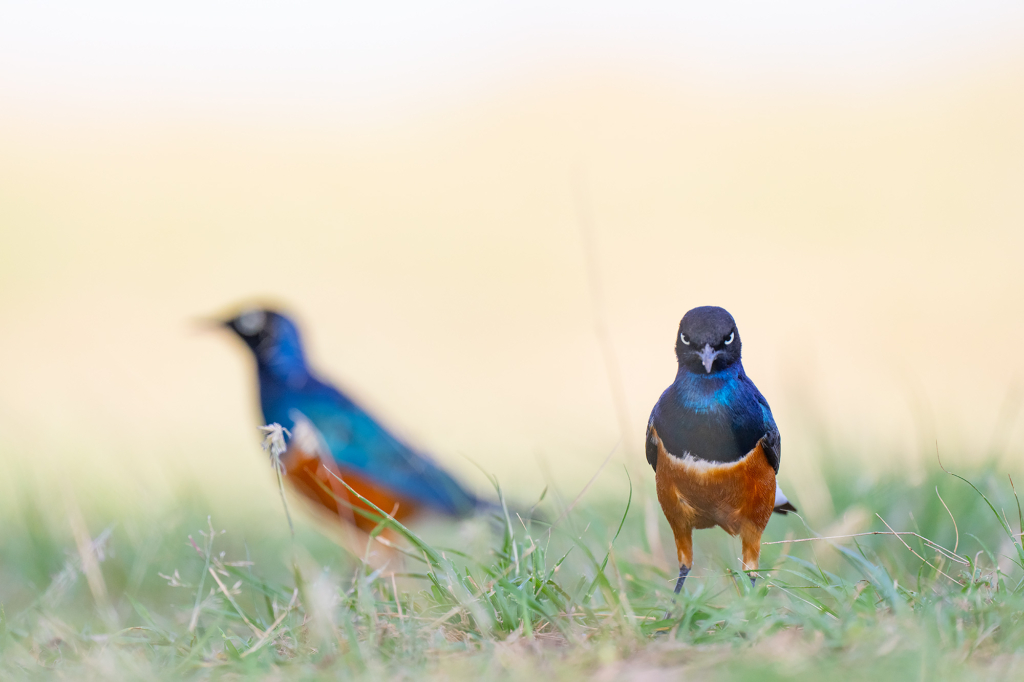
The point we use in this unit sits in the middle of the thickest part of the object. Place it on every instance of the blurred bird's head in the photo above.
(271, 336)
(708, 340)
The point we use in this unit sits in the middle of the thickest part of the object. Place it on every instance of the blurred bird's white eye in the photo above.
(731, 338)
(251, 322)
(682, 337)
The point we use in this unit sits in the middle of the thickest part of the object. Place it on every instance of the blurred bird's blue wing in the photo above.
(357, 442)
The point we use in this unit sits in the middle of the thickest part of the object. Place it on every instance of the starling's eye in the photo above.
(682, 337)
(732, 337)
(251, 322)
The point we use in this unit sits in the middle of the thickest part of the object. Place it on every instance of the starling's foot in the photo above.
(684, 571)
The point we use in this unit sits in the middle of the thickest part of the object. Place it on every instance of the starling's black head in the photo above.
(255, 326)
(270, 335)
(708, 340)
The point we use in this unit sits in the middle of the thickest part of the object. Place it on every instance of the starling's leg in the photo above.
(684, 571)
(680, 518)
(751, 538)
(684, 552)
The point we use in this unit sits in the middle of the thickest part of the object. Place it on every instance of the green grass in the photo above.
(174, 594)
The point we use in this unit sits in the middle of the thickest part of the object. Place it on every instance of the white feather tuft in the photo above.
(780, 497)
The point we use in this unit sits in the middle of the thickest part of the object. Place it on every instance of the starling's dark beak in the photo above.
(707, 356)
(205, 324)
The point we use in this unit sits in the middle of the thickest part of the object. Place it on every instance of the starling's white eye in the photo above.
(251, 322)
(682, 337)
(732, 337)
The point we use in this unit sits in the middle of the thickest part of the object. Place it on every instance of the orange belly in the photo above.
(702, 495)
(311, 477)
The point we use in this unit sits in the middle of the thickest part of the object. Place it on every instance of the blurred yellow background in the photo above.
(864, 228)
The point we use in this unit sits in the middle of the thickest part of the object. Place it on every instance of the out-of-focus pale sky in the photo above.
(844, 177)
(374, 59)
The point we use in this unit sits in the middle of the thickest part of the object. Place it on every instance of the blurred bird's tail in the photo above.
(498, 508)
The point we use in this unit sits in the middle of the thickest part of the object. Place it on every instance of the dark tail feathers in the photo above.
(784, 508)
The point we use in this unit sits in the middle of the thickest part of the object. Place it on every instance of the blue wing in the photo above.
(359, 443)
(771, 441)
(753, 422)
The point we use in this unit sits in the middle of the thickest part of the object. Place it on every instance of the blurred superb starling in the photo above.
(713, 443)
(332, 436)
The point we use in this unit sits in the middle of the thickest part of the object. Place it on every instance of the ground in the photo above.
(197, 589)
